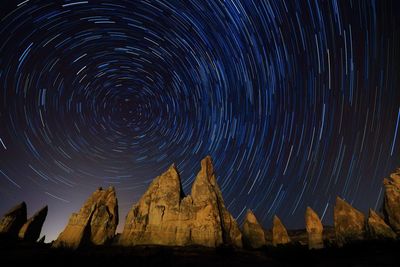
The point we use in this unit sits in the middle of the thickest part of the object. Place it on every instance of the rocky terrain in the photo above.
(165, 226)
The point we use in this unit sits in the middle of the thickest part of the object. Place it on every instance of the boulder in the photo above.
(391, 201)
(377, 228)
(349, 223)
(279, 234)
(13, 220)
(253, 233)
(164, 216)
(30, 231)
(94, 224)
(314, 229)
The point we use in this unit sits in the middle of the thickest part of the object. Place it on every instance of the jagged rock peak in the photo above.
(349, 222)
(13, 220)
(377, 228)
(391, 202)
(165, 216)
(279, 233)
(314, 229)
(253, 233)
(30, 231)
(95, 223)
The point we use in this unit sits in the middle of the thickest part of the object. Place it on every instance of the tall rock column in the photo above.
(253, 233)
(30, 231)
(13, 220)
(349, 223)
(314, 229)
(95, 223)
(279, 233)
(391, 202)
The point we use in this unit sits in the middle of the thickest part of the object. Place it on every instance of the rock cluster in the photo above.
(314, 229)
(165, 216)
(95, 223)
(15, 225)
(253, 233)
(391, 201)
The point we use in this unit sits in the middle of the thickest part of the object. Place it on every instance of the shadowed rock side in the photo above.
(95, 223)
(314, 229)
(13, 220)
(349, 223)
(391, 201)
(377, 228)
(30, 231)
(279, 234)
(165, 216)
(253, 233)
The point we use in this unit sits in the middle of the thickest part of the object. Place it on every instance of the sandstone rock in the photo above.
(314, 229)
(30, 231)
(279, 233)
(95, 223)
(165, 216)
(391, 202)
(377, 228)
(253, 233)
(349, 223)
(13, 220)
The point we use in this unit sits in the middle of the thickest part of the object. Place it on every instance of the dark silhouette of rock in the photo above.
(279, 233)
(95, 223)
(314, 229)
(41, 240)
(30, 231)
(164, 216)
(349, 223)
(377, 228)
(13, 220)
(391, 201)
(253, 233)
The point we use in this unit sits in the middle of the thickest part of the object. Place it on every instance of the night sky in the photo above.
(297, 102)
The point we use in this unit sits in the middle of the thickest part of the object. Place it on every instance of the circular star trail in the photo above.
(296, 102)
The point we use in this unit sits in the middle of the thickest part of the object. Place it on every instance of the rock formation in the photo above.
(253, 233)
(377, 228)
(314, 229)
(13, 220)
(165, 216)
(30, 231)
(349, 222)
(95, 223)
(391, 202)
(279, 233)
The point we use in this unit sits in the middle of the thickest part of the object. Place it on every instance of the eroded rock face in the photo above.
(377, 228)
(314, 229)
(30, 231)
(13, 220)
(165, 216)
(95, 223)
(253, 233)
(391, 202)
(349, 222)
(279, 233)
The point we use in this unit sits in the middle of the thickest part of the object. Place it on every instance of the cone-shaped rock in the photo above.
(30, 231)
(279, 234)
(165, 216)
(377, 228)
(349, 222)
(253, 233)
(95, 223)
(13, 220)
(391, 202)
(314, 229)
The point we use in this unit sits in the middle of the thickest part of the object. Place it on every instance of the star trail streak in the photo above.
(296, 101)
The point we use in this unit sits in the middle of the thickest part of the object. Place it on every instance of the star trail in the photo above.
(297, 102)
